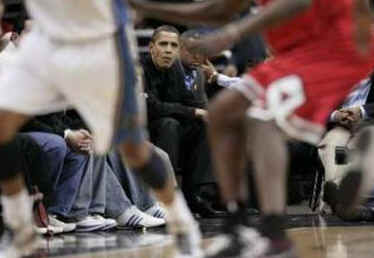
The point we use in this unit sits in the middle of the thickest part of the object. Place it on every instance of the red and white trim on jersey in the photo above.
(267, 105)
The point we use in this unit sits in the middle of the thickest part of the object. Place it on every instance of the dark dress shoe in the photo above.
(359, 213)
(252, 211)
(331, 194)
(205, 209)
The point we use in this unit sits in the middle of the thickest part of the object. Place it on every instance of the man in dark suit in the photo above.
(176, 104)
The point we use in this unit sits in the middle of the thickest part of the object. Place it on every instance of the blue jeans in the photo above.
(60, 186)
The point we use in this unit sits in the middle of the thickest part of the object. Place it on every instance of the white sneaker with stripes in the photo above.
(156, 211)
(109, 223)
(135, 218)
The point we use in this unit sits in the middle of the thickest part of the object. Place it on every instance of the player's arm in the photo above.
(2, 7)
(363, 21)
(211, 12)
(271, 15)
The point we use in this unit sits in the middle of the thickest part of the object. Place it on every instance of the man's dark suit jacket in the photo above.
(166, 92)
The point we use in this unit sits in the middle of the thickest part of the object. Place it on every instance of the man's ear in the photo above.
(151, 46)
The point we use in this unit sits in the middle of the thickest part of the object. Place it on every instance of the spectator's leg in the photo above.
(99, 177)
(147, 164)
(65, 170)
(167, 134)
(82, 202)
(69, 183)
(326, 150)
(124, 175)
(198, 167)
(117, 201)
(54, 152)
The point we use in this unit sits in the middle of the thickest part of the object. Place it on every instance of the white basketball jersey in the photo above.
(75, 20)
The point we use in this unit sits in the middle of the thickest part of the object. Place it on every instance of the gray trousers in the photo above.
(108, 187)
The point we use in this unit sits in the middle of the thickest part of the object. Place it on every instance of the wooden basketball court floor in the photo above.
(335, 240)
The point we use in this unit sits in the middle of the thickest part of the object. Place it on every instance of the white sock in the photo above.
(17, 209)
(178, 213)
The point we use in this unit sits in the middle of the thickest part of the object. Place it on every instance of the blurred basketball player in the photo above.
(81, 53)
(321, 49)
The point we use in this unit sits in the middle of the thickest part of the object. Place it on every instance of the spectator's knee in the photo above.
(170, 123)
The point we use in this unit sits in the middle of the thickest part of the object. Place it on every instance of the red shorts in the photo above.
(300, 94)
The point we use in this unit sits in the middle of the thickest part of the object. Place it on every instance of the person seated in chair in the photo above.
(176, 103)
(356, 113)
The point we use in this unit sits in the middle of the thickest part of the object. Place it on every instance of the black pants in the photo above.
(186, 143)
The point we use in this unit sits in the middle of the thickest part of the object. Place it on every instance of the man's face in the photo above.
(165, 49)
(191, 59)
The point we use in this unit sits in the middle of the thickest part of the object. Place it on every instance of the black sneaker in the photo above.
(245, 242)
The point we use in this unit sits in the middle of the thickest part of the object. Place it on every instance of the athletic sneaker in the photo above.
(40, 230)
(17, 215)
(183, 228)
(89, 224)
(66, 227)
(109, 223)
(156, 211)
(24, 242)
(359, 180)
(135, 218)
(245, 242)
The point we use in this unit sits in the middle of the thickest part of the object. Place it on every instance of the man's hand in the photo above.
(230, 71)
(79, 140)
(209, 71)
(341, 117)
(202, 114)
(354, 114)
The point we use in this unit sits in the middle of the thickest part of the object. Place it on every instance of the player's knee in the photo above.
(9, 124)
(5, 134)
(170, 123)
(136, 154)
(154, 171)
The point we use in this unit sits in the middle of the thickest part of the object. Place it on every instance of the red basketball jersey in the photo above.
(325, 25)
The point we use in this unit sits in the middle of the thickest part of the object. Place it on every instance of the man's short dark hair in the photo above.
(165, 28)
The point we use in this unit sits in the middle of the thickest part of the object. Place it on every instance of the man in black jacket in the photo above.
(176, 104)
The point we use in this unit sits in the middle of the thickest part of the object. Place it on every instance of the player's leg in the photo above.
(23, 92)
(267, 141)
(112, 105)
(14, 194)
(229, 132)
(149, 165)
